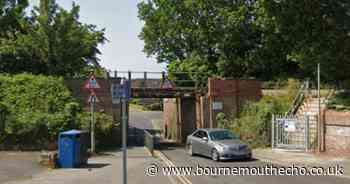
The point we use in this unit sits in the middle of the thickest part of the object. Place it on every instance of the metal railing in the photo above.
(149, 141)
(183, 79)
(299, 98)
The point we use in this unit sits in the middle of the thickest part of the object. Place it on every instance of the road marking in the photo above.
(169, 163)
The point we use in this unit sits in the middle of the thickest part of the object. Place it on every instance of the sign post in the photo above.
(122, 91)
(125, 84)
(91, 85)
(125, 123)
(92, 126)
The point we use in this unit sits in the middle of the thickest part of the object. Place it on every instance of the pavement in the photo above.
(103, 169)
(18, 165)
(179, 158)
(299, 158)
(106, 168)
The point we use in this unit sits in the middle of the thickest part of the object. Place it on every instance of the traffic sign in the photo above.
(167, 84)
(120, 90)
(93, 98)
(126, 88)
(116, 91)
(92, 83)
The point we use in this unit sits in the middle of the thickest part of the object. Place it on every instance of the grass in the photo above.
(136, 107)
(157, 124)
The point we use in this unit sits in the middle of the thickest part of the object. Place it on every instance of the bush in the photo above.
(222, 121)
(254, 122)
(105, 131)
(34, 109)
(340, 101)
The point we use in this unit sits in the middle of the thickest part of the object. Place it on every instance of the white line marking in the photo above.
(183, 179)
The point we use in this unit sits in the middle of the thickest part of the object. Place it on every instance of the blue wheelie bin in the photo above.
(73, 148)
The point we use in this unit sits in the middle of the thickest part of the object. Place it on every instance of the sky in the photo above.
(119, 18)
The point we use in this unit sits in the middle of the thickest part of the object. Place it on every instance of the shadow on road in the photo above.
(94, 166)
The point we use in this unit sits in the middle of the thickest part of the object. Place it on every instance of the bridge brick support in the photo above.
(229, 96)
(183, 115)
(179, 117)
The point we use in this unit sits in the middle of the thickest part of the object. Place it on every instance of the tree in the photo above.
(216, 37)
(249, 38)
(11, 14)
(312, 31)
(54, 42)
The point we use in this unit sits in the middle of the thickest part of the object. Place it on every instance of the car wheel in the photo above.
(215, 155)
(249, 157)
(190, 150)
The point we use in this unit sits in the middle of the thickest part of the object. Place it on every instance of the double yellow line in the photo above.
(182, 179)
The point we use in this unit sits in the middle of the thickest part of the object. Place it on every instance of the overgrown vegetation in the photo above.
(34, 109)
(340, 101)
(138, 104)
(254, 121)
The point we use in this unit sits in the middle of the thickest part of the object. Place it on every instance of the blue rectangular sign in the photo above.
(120, 90)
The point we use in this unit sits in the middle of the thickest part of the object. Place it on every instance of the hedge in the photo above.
(35, 108)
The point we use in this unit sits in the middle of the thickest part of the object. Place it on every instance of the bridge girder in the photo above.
(162, 93)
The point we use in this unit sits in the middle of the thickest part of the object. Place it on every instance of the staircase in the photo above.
(310, 108)
(305, 104)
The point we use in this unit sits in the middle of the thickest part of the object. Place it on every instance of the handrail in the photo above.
(299, 98)
(149, 141)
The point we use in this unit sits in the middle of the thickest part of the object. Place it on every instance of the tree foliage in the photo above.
(249, 38)
(51, 40)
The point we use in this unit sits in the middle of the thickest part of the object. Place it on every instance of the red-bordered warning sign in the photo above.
(93, 98)
(92, 83)
(167, 84)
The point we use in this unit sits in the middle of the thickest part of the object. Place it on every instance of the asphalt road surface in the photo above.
(179, 157)
(144, 119)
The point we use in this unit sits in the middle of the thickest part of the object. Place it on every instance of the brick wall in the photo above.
(179, 117)
(170, 118)
(337, 131)
(198, 112)
(188, 117)
(232, 94)
(202, 111)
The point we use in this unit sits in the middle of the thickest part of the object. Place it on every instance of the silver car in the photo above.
(219, 144)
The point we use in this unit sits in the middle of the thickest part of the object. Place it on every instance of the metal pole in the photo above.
(307, 137)
(124, 142)
(277, 131)
(144, 79)
(273, 131)
(92, 126)
(319, 106)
